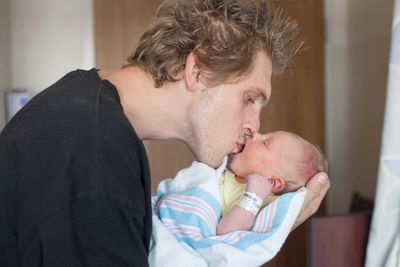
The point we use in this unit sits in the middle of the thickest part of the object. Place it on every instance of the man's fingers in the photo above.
(316, 191)
(317, 186)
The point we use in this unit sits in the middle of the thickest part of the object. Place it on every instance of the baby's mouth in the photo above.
(241, 147)
(230, 158)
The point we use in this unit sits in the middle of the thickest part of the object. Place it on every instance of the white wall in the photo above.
(42, 40)
(356, 57)
(4, 54)
(48, 39)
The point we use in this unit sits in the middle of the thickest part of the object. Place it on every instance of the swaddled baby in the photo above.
(272, 163)
(187, 223)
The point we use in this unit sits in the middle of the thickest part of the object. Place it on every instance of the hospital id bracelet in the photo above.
(250, 202)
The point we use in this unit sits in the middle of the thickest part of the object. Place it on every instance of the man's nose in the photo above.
(251, 122)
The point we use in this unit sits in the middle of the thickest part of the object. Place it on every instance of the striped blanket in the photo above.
(186, 211)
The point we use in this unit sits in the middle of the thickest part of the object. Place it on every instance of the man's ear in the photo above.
(278, 184)
(191, 72)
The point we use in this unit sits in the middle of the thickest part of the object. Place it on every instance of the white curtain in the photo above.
(384, 238)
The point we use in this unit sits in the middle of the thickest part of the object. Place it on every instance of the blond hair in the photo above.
(224, 35)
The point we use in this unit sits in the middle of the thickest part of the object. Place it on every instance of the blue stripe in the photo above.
(184, 218)
(209, 213)
(206, 196)
(282, 207)
(198, 193)
(190, 219)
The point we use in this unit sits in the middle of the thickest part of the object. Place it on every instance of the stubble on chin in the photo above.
(200, 137)
(203, 150)
(199, 142)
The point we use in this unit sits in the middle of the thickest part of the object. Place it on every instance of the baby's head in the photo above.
(286, 159)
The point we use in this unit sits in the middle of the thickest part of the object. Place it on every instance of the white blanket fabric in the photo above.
(186, 211)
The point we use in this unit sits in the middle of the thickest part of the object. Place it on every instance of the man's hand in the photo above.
(259, 185)
(316, 187)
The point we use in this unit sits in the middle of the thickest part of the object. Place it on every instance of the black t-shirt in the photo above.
(74, 180)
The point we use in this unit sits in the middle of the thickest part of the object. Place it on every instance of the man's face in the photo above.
(273, 154)
(222, 115)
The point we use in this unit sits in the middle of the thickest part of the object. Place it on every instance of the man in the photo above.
(74, 176)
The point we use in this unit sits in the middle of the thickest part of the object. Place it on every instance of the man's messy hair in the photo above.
(224, 35)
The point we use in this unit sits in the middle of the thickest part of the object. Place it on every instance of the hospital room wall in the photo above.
(4, 55)
(42, 40)
(357, 41)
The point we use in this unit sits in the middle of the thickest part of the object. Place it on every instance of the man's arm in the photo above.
(316, 187)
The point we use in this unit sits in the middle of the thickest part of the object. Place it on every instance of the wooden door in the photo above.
(297, 102)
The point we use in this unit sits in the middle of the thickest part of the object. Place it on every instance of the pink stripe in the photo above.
(200, 202)
(189, 209)
(260, 220)
(196, 202)
(263, 223)
(237, 236)
(184, 208)
(183, 230)
(191, 230)
(232, 237)
(265, 220)
(271, 216)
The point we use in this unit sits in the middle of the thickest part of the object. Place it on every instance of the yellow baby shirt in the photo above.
(231, 190)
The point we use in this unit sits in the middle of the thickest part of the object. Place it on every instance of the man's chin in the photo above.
(213, 162)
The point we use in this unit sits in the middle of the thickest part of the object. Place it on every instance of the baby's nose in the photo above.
(256, 136)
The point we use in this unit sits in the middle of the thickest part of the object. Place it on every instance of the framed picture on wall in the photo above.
(15, 100)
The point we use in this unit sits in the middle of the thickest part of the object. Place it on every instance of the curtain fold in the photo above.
(384, 238)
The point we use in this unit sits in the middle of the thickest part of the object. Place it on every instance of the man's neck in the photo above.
(155, 113)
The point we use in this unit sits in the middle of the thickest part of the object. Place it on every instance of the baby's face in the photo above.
(269, 155)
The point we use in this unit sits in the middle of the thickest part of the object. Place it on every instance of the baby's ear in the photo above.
(278, 184)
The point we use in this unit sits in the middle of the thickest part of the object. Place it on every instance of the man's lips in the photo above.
(239, 147)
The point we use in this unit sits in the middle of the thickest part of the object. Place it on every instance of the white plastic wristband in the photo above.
(250, 202)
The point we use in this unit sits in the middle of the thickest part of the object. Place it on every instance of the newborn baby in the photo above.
(214, 217)
(277, 163)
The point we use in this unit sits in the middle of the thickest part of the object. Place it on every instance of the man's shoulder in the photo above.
(72, 103)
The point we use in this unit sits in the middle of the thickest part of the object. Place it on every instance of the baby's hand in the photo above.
(259, 185)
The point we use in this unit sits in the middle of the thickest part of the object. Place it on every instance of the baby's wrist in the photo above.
(259, 185)
(250, 202)
(259, 193)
